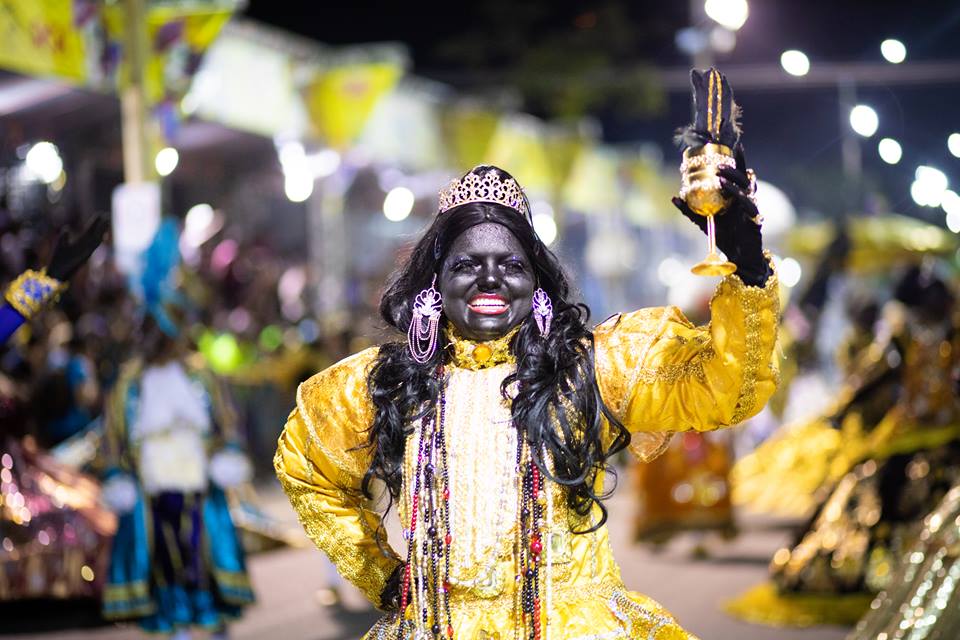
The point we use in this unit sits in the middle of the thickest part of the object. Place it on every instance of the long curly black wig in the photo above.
(557, 406)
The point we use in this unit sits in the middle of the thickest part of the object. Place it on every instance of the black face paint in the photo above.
(487, 282)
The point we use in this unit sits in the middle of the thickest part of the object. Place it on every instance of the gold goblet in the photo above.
(700, 188)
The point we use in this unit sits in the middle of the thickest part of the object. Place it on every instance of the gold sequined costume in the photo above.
(923, 598)
(782, 475)
(871, 514)
(657, 372)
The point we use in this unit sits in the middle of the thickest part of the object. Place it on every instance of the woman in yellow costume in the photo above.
(492, 426)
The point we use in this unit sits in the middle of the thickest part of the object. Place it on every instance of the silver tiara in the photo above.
(486, 187)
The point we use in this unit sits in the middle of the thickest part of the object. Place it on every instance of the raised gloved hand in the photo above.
(738, 226)
(69, 255)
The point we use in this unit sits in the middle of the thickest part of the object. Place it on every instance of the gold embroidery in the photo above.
(463, 350)
(648, 446)
(353, 563)
(752, 301)
(673, 372)
(639, 617)
(127, 600)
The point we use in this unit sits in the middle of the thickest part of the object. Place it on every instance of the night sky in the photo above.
(792, 136)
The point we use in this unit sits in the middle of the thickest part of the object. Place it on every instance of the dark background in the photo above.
(564, 59)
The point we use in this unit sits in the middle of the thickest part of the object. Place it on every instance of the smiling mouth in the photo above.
(488, 305)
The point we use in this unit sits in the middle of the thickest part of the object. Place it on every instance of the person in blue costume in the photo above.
(172, 447)
(32, 290)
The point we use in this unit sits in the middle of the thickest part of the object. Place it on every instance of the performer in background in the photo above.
(51, 522)
(172, 448)
(32, 290)
(492, 426)
(887, 476)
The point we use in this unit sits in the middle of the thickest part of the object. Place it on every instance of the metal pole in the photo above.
(136, 167)
(329, 252)
(850, 144)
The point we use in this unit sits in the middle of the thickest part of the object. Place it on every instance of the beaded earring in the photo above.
(424, 326)
(542, 311)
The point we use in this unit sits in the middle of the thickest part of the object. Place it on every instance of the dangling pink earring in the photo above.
(542, 311)
(422, 335)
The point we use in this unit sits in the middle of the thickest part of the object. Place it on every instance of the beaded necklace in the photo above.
(528, 547)
(431, 497)
(426, 578)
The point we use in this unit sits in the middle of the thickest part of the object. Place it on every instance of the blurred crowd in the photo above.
(56, 369)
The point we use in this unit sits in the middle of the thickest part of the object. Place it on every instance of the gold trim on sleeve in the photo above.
(752, 301)
(353, 563)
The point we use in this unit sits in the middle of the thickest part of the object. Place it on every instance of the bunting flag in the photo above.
(404, 129)
(563, 146)
(594, 184)
(245, 83)
(340, 99)
(648, 190)
(518, 147)
(177, 37)
(40, 37)
(468, 130)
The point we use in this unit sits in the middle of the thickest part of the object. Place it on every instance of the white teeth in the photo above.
(488, 303)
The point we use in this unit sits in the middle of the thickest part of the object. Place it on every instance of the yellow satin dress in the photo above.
(656, 371)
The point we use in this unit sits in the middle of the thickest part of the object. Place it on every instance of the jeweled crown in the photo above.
(484, 187)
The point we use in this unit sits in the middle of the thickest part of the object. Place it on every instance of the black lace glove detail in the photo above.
(738, 226)
(390, 596)
(69, 255)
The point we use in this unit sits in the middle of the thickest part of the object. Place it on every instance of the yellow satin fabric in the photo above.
(657, 372)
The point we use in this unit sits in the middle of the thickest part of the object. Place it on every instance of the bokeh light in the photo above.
(546, 227)
(864, 120)
(730, 13)
(166, 161)
(929, 186)
(794, 62)
(44, 162)
(789, 272)
(398, 204)
(890, 150)
(953, 144)
(893, 50)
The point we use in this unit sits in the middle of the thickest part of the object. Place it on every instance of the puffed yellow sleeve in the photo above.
(320, 468)
(658, 372)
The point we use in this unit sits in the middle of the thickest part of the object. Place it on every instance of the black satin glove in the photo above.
(738, 226)
(390, 596)
(69, 255)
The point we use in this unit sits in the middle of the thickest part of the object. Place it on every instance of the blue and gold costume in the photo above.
(25, 297)
(177, 559)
